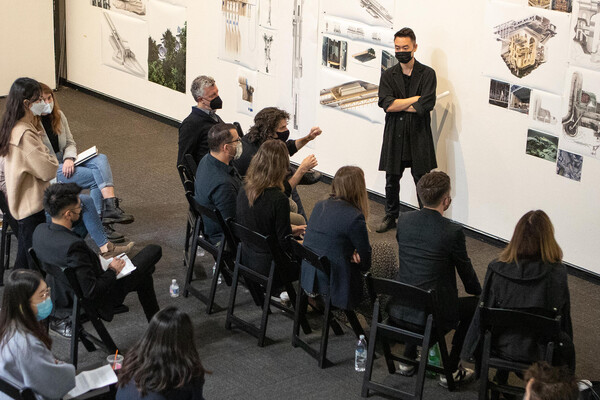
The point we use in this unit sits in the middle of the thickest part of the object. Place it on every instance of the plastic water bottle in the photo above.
(360, 358)
(200, 252)
(215, 270)
(433, 358)
(174, 288)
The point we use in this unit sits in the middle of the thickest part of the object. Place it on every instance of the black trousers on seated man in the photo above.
(466, 309)
(57, 246)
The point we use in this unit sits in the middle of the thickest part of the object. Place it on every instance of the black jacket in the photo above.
(531, 286)
(193, 133)
(337, 228)
(250, 149)
(418, 125)
(431, 250)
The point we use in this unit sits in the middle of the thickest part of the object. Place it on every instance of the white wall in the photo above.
(27, 45)
(482, 147)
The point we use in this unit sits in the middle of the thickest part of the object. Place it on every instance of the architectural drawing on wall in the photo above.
(334, 53)
(167, 45)
(376, 10)
(587, 34)
(135, 6)
(119, 53)
(365, 55)
(268, 11)
(388, 60)
(233, 10)
(350, 95)
(268, 39)
(523, 43)
(296, 57)
(246, 82)
(519, 99)
(357, 31)
(101, 3)
(569, 165)
(545, 4)
(499, 93)
(540, 114)
(247, 89)
(581, 124)
(541, 145)
(562, 5)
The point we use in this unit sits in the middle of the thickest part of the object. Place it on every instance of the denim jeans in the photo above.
(88, 222)
(94, 174)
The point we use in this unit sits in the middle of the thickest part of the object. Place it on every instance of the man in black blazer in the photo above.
(56, 245)
(194, 129)
(407, 95)
(431, 250)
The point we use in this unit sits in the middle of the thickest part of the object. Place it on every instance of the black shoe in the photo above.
(310, 178)
(62, 326)
(113, 235)
(388, 223)
(112, 213)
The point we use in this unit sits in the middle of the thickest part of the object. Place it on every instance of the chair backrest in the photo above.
(187, 178)
(302, 252)
(239, 129)
(6, 212)
(190, 164)
(492, 318)
(255, 239)
(35, 262)
(403, 294)
(15, 393)
(215, 216)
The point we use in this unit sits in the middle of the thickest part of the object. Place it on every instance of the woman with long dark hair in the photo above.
(29, 167)
(164, 363)
(25, 357)
(337, 229)
(528, 276)
(94, 174)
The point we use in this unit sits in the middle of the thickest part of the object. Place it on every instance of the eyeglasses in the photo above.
(45, 294)
(236, 140)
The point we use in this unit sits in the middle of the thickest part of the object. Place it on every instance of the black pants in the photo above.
(26, 227)
(392, 191)
(466, 309)
(140, 281)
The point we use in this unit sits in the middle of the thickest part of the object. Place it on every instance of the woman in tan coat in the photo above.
(29, 166)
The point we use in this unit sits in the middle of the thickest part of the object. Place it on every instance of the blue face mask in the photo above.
(44, 309)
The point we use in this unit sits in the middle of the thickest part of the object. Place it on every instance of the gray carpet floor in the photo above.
(142, 153)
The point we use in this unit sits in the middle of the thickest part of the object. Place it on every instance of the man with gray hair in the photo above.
(194, 129)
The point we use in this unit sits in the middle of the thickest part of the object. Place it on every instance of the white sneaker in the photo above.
(461, 376)
(406, 369)
(285, 298)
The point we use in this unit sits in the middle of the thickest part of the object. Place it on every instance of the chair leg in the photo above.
(191, 259)
(445, 361)
(485, 368)
(420, 382)
(265, 314)
(2, 250)
(303, 321)
(213, 284)
(301, 304)
(186, 246)
(232, 294)
(325, 333)
(75, 331)
(103, 333)
(354, 323)
(370, 353)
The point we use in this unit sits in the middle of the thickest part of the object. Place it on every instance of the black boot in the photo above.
(111, 213)
(113, 235)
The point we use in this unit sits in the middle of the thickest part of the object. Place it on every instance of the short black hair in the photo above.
(59, 196)
(219, 134)
(406, 32)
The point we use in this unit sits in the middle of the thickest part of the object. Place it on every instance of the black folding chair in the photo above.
(9, 228)
(220, 248)
(496, 320)
(250, 276)
(14, 392)
(321, 263)
(409, 296)
(68, 278)
(187, 179)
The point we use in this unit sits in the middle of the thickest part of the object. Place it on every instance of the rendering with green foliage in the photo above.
(166, 59)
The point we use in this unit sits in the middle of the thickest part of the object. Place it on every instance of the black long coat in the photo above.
(391, 87)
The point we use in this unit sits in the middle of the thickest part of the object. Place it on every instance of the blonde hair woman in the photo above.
(337, 229)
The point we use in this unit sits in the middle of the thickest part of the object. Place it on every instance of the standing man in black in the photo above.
(431, 250)
(194, 129)
(407, 95)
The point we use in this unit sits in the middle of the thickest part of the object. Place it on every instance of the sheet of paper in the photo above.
(94, 379)
(128, 269)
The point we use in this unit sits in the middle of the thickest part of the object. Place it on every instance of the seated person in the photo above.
(25, 356)
(94, 174)
(57, 245)
(217, 182)
(545, 382)
(194, 129)
(431, 250)
(168, 345)
(338, 230)
(527, 276)
(271, 123)
(264, 208)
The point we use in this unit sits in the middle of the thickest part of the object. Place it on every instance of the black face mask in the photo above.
(216, 103)
(404, 56)
(283, 135)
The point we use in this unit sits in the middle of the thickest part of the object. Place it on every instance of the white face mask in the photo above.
(238, 150)
(38, 108)
(48, 108)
